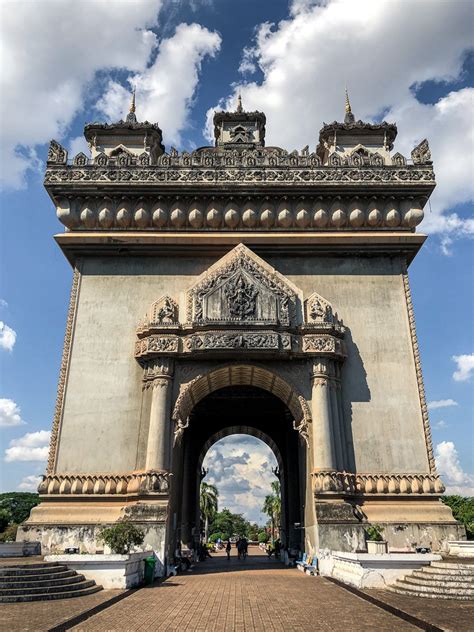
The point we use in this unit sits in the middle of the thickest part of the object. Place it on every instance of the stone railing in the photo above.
(136, 483)
(369, 484)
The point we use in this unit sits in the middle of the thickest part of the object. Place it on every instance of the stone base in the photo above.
(19, 549)
(372, 571)
(460, 548)
(108, 571)
(58, 525)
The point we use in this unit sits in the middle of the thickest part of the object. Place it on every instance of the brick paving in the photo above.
(257, 595)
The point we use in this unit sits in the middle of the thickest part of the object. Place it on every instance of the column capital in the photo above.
(158, 372)
(322, 371)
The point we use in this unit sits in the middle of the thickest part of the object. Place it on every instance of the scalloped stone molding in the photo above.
(331, 482)
(137, 483)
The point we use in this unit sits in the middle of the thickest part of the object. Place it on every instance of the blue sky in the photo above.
(74, 62)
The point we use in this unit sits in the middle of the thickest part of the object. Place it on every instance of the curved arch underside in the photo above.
(241, 375)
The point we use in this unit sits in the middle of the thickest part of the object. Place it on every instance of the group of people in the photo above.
(242, 547)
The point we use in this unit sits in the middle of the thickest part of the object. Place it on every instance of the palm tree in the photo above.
(272, 506)
(208, 505)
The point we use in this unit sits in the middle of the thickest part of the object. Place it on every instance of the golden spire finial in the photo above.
(348, 103)
(239, 103)
(132, 102)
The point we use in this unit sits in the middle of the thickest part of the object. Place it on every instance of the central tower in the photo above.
(241, 271)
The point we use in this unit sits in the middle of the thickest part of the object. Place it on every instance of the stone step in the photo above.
(447, 572)
(47, 589)
(71, 578)
(458, 566)
(434, 590)
(441, 583)
(67, 594)
(32, 569)
(43, 577)
(415, 593)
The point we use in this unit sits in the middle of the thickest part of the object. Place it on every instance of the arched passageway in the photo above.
(238, 410)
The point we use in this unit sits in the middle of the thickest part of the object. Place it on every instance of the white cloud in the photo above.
(447, 461)
(10, 413)
(7, 336)
(33, 446)
(30, 483)
(165, 90)
(465, 367)
(440, 425)
(3, 304)
(78, 144)
(54, 50)
(241, 468)
(441, 403)
(381, 49)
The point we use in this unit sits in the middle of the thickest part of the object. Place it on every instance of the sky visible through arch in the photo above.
(240, 466)
(67, 62)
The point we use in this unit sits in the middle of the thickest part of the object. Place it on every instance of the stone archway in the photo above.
(240, 374)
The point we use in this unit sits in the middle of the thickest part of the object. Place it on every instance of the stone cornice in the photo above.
(77, 243)
(356, 484)
(106, 484)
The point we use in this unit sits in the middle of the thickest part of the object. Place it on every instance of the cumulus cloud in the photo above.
(53, 53)
(29, 483)
(307, 59)
(165, 90)
(33, 446)
(447, 461)
(241, 468)
(10, 413)
(441, 403)
(7, 336)
(440, 425)
(465, 367)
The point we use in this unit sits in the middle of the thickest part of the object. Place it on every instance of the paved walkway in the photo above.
(258, 595)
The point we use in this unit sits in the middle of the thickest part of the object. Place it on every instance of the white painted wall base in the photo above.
(109, 571)
(461, 548)
(363, 570)
(19, 549)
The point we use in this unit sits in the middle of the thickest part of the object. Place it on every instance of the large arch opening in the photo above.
(228, 411)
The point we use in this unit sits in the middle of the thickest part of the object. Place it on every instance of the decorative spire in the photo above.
(239, 104)
(349, 117)
(131, 118)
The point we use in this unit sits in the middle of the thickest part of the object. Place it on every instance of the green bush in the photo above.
(463, 510)
(121, 537)
(5, 519)
(214, 537)
(9, 535)
(374, 533)
(262, 537)
(18, 504)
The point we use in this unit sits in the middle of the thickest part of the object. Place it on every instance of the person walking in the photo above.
(228, 548)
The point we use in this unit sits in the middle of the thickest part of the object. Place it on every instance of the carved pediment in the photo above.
(318, 311)
(242, 288)
(162, 313)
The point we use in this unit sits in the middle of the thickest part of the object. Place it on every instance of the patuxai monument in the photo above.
(241, 288)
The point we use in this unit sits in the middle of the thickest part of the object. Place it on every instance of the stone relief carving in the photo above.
(150, 482)
(56, 154)
(421, 155)
(257, 278)
(241, 297)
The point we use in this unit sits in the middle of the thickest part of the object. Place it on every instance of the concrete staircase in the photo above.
(440, 580)
(42, 582)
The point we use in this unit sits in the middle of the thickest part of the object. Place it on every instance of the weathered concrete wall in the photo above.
(102, 409)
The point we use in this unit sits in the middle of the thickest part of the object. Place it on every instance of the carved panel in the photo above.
(346, 483)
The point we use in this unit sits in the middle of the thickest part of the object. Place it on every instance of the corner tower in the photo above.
(241, 266)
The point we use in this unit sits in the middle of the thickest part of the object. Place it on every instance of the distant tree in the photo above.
(5, 519)
(229, 524)
(253, 531)
(463, 510)
(208, 504)
(262, 537)
(19, 504)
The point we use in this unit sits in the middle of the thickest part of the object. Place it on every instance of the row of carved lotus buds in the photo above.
(347, 483)
(103, 484)
(184, 213)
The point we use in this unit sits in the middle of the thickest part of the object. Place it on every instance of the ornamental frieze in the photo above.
(346, 483)
(108, 484)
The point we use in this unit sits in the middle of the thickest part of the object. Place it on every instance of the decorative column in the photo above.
(323, 442)
(159, 374)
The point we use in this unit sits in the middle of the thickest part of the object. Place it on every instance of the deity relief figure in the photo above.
(241, 298)
(316, 310)
(166, 313)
